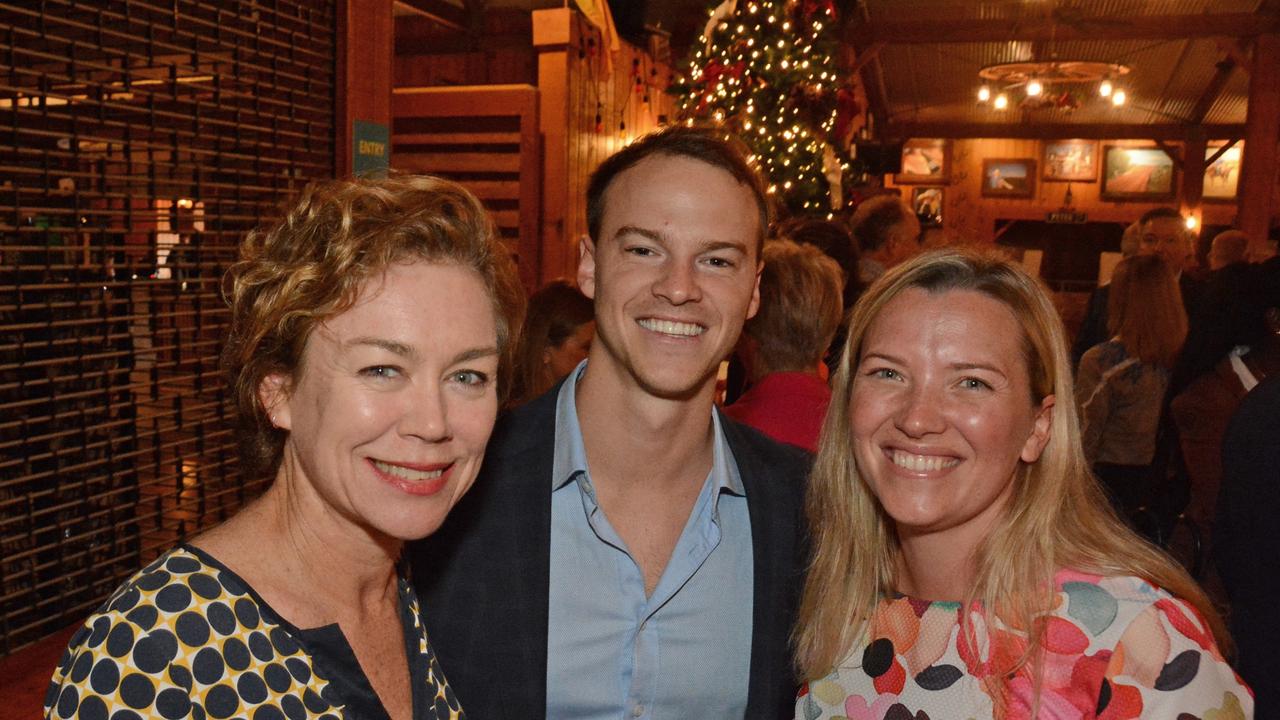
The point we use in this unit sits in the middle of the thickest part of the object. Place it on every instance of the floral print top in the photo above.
(1115, 648)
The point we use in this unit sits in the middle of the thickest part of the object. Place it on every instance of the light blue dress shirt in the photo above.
(612, 652)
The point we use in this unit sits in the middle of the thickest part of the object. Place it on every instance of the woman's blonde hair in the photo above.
(1057, 516)
(1144, 308)
(312, 264)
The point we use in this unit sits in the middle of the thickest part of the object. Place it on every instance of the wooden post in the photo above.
(366, 49)
(553, 37)
(1262, 132)
(1193, 154)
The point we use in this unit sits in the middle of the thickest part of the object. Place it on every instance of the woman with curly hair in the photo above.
(366, 356)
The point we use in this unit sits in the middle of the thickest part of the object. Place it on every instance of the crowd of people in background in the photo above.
(912, 497)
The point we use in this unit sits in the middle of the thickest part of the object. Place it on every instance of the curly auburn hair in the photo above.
(312, 264)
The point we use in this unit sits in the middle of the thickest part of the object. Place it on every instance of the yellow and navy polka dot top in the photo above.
(188, 638)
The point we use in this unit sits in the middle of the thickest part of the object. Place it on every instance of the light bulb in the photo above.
(984, 93)
(1192, 222)
(1034, 88)
(1118, 97)
(1002, 101)
(1104, 89)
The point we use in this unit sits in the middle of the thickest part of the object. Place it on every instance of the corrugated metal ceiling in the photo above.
(937, 82)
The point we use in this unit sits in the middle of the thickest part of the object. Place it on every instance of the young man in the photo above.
(627, 551)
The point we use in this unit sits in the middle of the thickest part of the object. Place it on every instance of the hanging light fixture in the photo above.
(1046, 84)
(1118, 97)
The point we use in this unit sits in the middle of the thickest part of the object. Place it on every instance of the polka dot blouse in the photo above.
(188, 638)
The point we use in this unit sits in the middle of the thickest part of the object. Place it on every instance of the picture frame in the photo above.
(1222, 176)
(928, 205)
(1069, 161)
(925, 162)
(1008, 177)
(1137, 174)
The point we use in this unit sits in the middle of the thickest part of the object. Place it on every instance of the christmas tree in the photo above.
(767, 70)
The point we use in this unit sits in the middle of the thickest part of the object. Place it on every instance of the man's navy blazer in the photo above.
(483, 578)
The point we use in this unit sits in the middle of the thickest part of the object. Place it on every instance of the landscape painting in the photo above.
(1137, 174)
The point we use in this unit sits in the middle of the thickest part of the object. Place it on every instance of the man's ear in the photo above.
(587, 266)
(273, 393)
(754, 306)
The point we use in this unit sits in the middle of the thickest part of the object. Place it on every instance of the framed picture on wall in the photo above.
(1069, 161)
(1130, 173)
(924, 162)
(1009, 178)
(1222, 176)
(927, 202)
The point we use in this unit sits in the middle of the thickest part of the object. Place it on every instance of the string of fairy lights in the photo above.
(766, 71)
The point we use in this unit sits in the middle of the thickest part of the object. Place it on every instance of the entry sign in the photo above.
(371, 149)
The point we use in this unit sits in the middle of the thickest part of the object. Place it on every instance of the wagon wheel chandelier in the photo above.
(1050, 84)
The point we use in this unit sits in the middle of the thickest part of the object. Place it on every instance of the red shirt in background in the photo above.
(786, 406)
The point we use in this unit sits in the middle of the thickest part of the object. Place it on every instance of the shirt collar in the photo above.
(570, 457)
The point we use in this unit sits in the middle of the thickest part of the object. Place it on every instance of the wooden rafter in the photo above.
(1212, 90)
(1056, 131)
(441, 12)
(916, 30)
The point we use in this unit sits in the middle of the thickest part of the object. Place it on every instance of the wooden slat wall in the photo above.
(141, 140)
(606, 103)
(485, 137)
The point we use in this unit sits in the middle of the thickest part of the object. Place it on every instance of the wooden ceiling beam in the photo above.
(442, 12)
(1056, 131)
(1212, 90)
(1060, 28)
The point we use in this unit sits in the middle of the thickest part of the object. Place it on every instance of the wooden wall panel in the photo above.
(605, 102)
(968, 216)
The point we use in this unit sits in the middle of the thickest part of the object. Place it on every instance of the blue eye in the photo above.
(884, 374)
(971, 383)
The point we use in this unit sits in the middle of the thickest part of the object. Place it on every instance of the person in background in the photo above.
(1229, 247)
(1201, 411)
(628, 551)
(1164, 234)
(1121, 383)
(966, 564)
(887, 232)
(556, 336)
(784, 343)
(367, 352)
(1246, 545)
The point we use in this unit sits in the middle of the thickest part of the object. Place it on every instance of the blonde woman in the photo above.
(965, 563)
(1121, 383)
